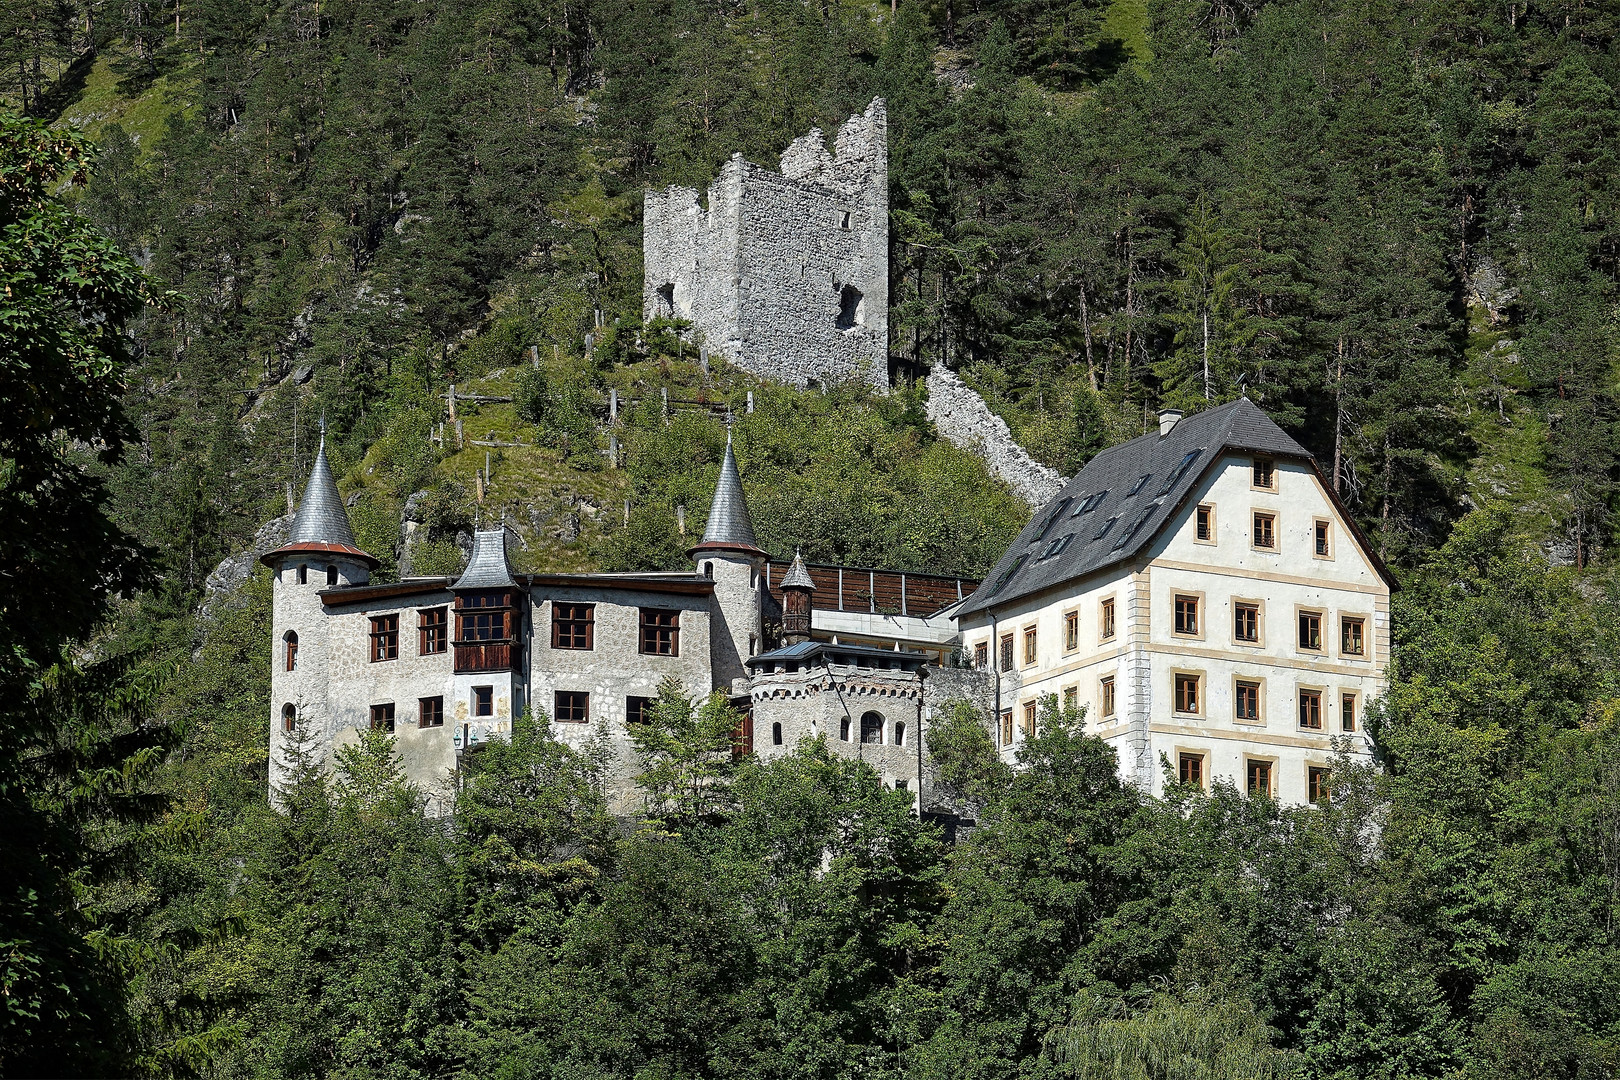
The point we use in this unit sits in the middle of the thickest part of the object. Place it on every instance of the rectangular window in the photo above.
(1246, 622)
(382, 717)
(660, 632)
(1316, 784)
(384, 638)
(981, 655)
(1247, 698)
(430, 712)
(1006, 652)
(1071, 631)
(1029, 719)
(1071, 698)
(1187, 615)
(432, 631)
(1187, 695)
(1259, 777)
(571, 706)
(1107, 696)
(1265, 531)
(483, 701)
(1323, 539)
(1347, 712)
(1352, 636)
(1204, 531)
(637, 710)
(1192, 769)
(1105, 629)
(1265, 474)
(1310, 631)
(1029, 646)
(573, 626)
(1310, 709)
(1006, 727)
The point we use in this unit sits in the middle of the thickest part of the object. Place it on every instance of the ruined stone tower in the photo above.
(785, 274)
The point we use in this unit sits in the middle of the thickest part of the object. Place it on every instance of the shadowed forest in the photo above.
(1392, 225)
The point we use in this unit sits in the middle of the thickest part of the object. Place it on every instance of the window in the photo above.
(1310, 709)
(753, 644)
(843, 221)
(571, 706)
(289, 717)
(1030, 648)
(637, 710)
(1006, 651)
(384, 638)
(1247, 701)
(899, 733)
(1071, 698)
(291, 640)
(666, 299)
(843, 729)
(1316, 784)
(432, 631)
(1071, 631)
(382, 717)
(776, 734)
(1187, 615)
(1007, 574)
(1105, 628)
(1265, 474)
(1056, 547)
(1192, 769)
(303, 575)
(849, 308)
(573, 626)
(1106, 693)
(1141, 481)
(708, 570)
(483, 618)
(1030, 708)
(1259, 777)
(1187, 696)
(1352, 636)
(1006, 727)
(1181, 468)
(1323, 538)
(1204, 524)
(1051, 516)
(1109, 524)
(1246, 622)
(900, 785)
(1347, 712)
(331, 575)
(430, 712)
(1136, 525)
(1090, 503)
(660, 632)
(483, 700)
(1265, 531)
(981, 655)
(1310, 630)
(872, 728)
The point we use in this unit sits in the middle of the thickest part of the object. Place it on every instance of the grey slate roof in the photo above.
(811, 652)
(487, 568)
(321, 518)
(1097, 520)
(729, 524)
(797, 577)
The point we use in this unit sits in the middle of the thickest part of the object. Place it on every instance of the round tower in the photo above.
(730, 555)
(796, 589)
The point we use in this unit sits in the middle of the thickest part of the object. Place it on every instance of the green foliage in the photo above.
(1169, 1040)
(686, 753)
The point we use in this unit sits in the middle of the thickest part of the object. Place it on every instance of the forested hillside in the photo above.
(1391, 224)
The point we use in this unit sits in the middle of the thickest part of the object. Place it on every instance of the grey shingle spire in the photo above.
(797, 577)
(729, 524)
(321, 524)
(487, 569)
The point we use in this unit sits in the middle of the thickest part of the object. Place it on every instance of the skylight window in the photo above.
(1141, 519)
(1102, 532)
(1056, 547)
(1090, 503)
(1141, 481)
(1052, 516)
(1007, 574)
(1176, 473)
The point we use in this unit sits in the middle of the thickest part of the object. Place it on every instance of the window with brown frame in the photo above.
(660, 632)
(1030, 651)
(573, 626)
(291, 641)
(430, 712)
(1030, 709)
(1247, 699)
(1347, 712)
(638, 710)
(1204, 517)
(1105, 619)
(1071, 631)
(1006, 727)
(1187, 693)
(1310, 631)
(1265, 474)
(1324, 539)
(1265, 531)
(483, 617)
(483, 700)
(1259, 777)
(1316, 784)
(432, 631)
(1246, 622)
(1352, 636)
(1071, 698)
(981, 655)
(382, 717)
(384, 638)
(1310, 709)
(1107, 696)
(1186, 614)
(1006, 652)
(289, 717)
(1192, 769)
(571, 706)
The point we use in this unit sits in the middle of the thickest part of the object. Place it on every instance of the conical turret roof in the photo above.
(321, 525)
(729, 525)
(797, 577)
(487, 569)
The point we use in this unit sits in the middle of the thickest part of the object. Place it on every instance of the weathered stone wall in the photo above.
(812, 704)
(786, 274)
(962, 417)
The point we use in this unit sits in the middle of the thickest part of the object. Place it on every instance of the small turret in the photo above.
(730, 527)
(796, 589)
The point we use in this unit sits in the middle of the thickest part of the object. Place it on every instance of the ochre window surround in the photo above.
(1187, 610)
(1263, 533)
(1322, 538)
(1191, 768)
(1031, 646)
(1248, 699)
(1308, 629)
(1259, 776)
(1349, 711)
(1353, 636)
(1188, 692)
(1248, 622)
(1071, 631)
(1263, 475)
(1105, 696)
(1105, 619)
(1204, 524)
(1310, 708)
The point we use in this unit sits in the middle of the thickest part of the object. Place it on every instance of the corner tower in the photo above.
(730, 555)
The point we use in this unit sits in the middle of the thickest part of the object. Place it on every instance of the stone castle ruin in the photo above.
(785, 274)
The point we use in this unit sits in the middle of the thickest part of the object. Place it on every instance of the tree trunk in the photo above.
(1338, 422)
(1085, 322)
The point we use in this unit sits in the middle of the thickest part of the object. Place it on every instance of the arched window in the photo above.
(331, 575)
(708, 570)
(843, 729)
(776, 734)
(899, 733)
(291, 638)
(289, 717)
(303, 574)
(872, 727)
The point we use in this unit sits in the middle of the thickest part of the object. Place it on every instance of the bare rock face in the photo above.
(963, 418)
(234, 570)
(786, 274)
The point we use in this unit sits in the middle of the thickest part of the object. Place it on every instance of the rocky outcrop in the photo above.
(234, 570)
(962, 417)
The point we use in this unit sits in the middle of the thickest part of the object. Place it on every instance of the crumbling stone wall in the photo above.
(962, 417)
(786, 274)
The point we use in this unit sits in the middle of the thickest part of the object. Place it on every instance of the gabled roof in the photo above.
(729, 525)
(487, 569)
(1120, 501)
(322, 525)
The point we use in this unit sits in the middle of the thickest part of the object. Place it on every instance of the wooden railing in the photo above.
(483, 656)
(851, 588)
